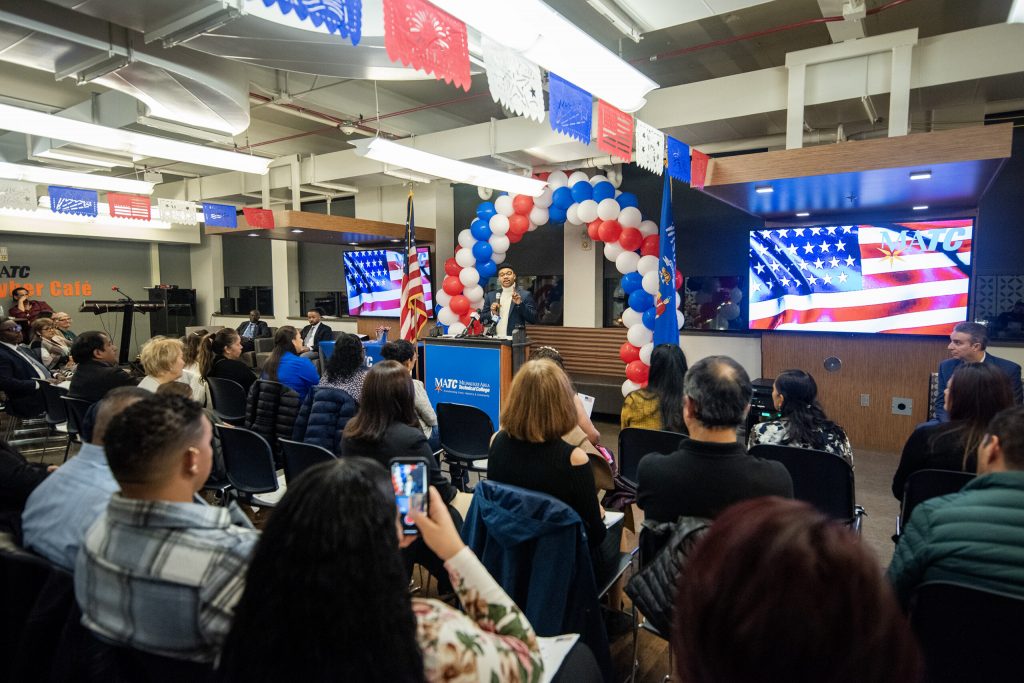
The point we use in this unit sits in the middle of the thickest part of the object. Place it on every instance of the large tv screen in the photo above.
(893, 278)
(373, 280)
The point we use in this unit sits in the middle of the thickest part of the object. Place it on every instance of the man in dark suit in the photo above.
(18, 371)
(96, 370)
(967, 344)
(254, 329)
(510, 307)
(314, 333)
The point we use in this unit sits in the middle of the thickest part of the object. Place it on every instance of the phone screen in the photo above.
(410, 482)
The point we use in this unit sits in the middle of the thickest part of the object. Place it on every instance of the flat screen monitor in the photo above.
(373, 281)
(890, 278)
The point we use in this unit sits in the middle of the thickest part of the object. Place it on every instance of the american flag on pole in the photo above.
(414, 309)
(897, 278)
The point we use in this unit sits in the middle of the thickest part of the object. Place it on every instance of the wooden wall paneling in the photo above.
(588, 350)
(880, 366)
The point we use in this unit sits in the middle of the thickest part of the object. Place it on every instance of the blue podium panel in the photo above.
(467, 375)
(372, 352)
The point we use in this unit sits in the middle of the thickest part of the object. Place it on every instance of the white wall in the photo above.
(744, 350)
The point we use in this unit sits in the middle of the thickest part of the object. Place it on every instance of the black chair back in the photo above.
(925, 484)
(464, 431)
(299, 457)
(967, 634)
(635, 443)
(76, 408)
(228, 399)
(56, 412)
(249, 461)
(823, 479)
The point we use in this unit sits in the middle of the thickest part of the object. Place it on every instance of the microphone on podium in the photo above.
(117, 289)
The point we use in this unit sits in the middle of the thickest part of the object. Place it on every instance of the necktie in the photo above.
(249, 332)
(40, 369)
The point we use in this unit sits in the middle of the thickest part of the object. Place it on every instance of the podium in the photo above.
(475, 371)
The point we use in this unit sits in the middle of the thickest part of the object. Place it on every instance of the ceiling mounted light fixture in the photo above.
(391, 153)
(803, 214)
(922, 207)
(764, 189)
(402, 174)
(51, 176)
(921, 175)
(84, 158)
(127, 142)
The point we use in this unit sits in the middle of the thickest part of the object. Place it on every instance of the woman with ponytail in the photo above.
(218, 357)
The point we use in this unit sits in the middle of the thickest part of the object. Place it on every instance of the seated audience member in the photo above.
(404, 352)
(710, 471)
(967, 344)
(583, 420)
(972, 537)
(19, 370)
(18, 479)
(49, 345)
(161, 571)
(63, 322)
(193, 341)
(973, 396)
(778, 592)
(62, 508)
(335, 619)
(23, 308)
(218, 357)
(803, 423)
(314, 333)
(660, 404)
(346, 368)
(162, 358)
(252, 330)
(287, 367)
(96, 370)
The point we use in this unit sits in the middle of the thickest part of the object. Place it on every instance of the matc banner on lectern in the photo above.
(470, 376)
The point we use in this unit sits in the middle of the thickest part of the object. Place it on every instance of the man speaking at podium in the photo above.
(510, 307)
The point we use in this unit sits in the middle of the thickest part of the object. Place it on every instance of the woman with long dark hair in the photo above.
(973, 396)
(219, 356)
(327, 599)
(660, 404)
(803, 423)
(346, 368)
(286, 366)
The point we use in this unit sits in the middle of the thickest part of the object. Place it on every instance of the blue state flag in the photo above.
(220, 215)
(666, 326)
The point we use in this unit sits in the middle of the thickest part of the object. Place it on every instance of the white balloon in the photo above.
(608, 210)
(497, 257)
(474, 293)
(648, 228)
(456, 328)
(597, 179)
(466, 239)
(680, 319)
(651, 283)
(631, 317)
(612, 250)
(503, 205)
(679, 300)
(498, 224)
(539, 215)
(736, 295)
(638, 335)
(646, 264)
(626, 262)
(469, 277)
(587, 210)
(729, 311)
(465, 258)
(442, 297)
(533, 226)
(499, 243)
(645, 353)
(571, 215)
(630, 217)
(544, 200)
(556, 180)
(629, 386)
(446, 316)
(577, 177)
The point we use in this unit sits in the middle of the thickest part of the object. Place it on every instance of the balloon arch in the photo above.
(611, 217)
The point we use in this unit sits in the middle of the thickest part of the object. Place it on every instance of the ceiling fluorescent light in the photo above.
(406, 175)
(549, 40)
(922, 207)
(338, 187)
(85, 158)
(417, 160)
(921, 175)
(51, 176)
(803, 214)
(1016, 15)
(613, 13)
(125, 141)
(764, 189)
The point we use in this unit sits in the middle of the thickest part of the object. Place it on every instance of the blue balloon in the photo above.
(649, 315)
(631, 281)
(627, 199)
(639, 300)
(485, 210)
(603, 190)
(482, 251)
(487, 269)
(582, 191)
(561, 198)
(480, 229)
(556, 214)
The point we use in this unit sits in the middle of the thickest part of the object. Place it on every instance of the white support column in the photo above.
(154, 263)
(444, 227)
(583, 299)
(899, 96)
(795, 106)
(284, 267)
(207, 264)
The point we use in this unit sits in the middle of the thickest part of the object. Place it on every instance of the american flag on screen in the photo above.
(374, 281)
(906, 278)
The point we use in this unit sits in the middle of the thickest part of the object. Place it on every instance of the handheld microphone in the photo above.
(117, 289)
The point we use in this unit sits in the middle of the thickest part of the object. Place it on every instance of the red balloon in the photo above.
(518, 223)
(514, 237)
(459, 304)
(452, 285)
(630, 239)
(636, 371)
(679, 279)
(452, 267)
(650, 246)
(465, 319)
(592, 229)
(609, 231)
(522, 204)
(629, 353)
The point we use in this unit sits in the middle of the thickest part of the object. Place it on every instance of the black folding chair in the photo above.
(56, 413)
(299, 457)
(249, 462)
(925, 484)
(75, 408)
(228, 399)
(635, 443)
(823, 479)
(465, 435)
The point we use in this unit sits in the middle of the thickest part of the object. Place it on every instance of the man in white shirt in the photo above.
(314, 333)
(511, 307)
(18, 371)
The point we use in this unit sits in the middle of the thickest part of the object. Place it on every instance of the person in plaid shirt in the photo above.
(161, 571)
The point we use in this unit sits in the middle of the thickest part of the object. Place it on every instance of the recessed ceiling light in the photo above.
(353, 244)
(396, 240)
(254, 234)
(764, 189)
(921, 175)
(922, 207)
(803, 214)
(296, 230)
